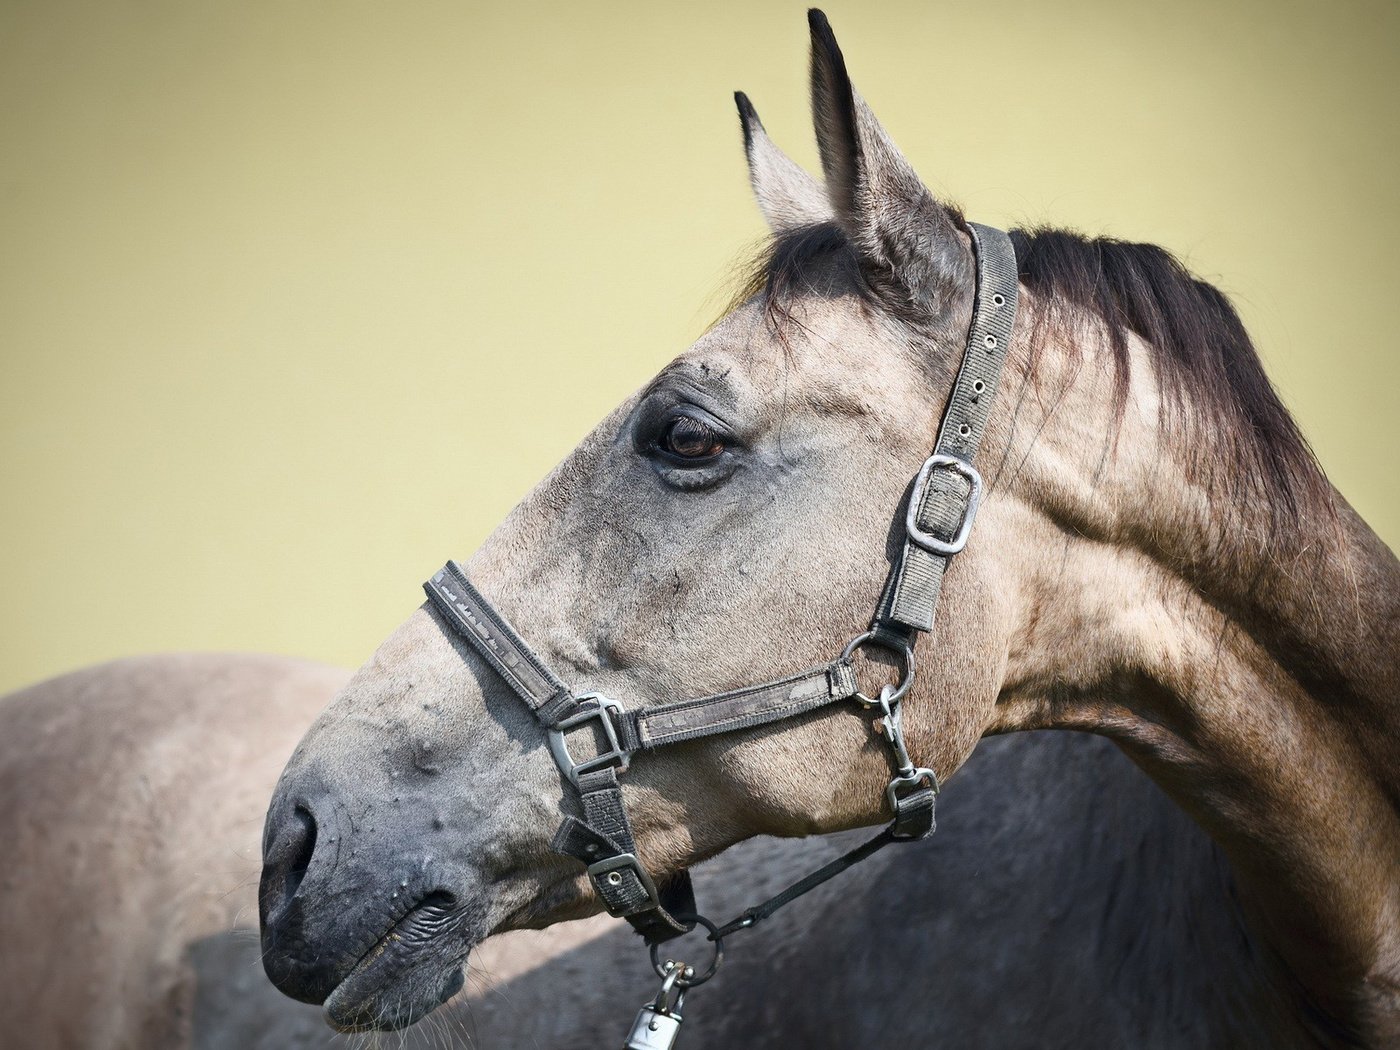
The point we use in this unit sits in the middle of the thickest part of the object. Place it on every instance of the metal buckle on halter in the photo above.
(603, 709)
(610, 869)
(922, 537)
(906, 783)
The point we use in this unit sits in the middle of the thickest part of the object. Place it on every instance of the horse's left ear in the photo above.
(909, 244)
(788, 197)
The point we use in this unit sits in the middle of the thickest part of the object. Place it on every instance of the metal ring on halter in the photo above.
(903, 649)
(683, 981)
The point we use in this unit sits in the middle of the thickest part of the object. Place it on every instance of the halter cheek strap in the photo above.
(942, 506)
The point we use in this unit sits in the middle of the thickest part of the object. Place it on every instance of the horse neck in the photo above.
(1247, 664)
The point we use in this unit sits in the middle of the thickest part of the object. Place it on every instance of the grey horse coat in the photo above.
(1064, 902)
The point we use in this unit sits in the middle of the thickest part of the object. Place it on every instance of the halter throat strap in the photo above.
(942, 505)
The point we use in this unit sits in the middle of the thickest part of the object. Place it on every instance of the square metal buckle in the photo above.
(600, 871)
(925, 539)
(603, 709)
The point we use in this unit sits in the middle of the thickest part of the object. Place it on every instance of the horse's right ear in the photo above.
(788, 197)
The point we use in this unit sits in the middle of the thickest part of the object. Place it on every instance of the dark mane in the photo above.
(1206, 361)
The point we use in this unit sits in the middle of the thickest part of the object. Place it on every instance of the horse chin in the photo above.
(384, 1009)
(406, 975)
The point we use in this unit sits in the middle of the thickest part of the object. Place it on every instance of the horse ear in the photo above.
(788, 197)
(909, 244)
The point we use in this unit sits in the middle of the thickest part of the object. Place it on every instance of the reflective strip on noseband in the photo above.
(942, 506)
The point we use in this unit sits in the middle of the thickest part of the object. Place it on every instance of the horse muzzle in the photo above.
(377, 933)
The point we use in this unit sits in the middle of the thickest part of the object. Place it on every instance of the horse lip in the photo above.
(413, 942)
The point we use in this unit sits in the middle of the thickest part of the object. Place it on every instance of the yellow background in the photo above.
(298, 297)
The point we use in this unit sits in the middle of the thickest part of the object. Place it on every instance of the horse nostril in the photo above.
(302, 859)
(287, 862)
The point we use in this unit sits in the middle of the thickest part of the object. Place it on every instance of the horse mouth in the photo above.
(414, 968)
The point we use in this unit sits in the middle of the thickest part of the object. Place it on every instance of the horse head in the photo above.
(729, 523)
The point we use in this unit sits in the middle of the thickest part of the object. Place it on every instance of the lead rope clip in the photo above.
(908, 777)
(658, 1023)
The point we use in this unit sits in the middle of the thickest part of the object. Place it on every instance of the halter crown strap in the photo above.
(948, 490)
(942, 505)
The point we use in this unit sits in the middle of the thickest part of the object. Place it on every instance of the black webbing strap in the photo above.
(751, 917)
(945, 497)
(651, 727)
(602, 841)
(914, 813)
(477, 620)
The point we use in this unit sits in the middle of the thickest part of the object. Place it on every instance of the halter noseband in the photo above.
(942, 505)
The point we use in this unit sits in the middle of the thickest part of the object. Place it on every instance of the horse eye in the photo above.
(687, 438)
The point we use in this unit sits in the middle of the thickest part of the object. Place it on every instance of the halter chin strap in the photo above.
(942, 505)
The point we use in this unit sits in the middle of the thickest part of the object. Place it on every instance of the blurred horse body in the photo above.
(131, 797)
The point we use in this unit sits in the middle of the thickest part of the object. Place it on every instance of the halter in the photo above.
(942, 506)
